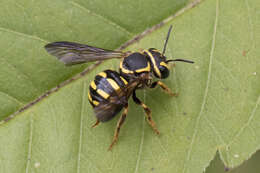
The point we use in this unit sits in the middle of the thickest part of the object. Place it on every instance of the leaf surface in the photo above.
(217, 108)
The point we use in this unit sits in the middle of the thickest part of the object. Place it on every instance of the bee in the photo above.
(110, 91)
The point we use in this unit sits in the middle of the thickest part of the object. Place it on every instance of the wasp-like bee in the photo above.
(109, 91)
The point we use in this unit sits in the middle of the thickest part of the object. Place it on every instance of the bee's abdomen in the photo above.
(104, 84)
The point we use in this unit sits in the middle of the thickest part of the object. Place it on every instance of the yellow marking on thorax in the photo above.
(145, 69)
(103, 93)
(113, 84)
(125, 82)
(125, 70)
(93, 85)
(103, 74)
(157, 71)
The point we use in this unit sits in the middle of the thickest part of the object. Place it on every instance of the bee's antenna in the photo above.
(167, 38)
(164, 49)
(183, 60)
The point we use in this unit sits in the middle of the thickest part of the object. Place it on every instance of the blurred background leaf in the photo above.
(216, 109)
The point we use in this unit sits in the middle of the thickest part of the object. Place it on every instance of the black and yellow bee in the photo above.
(109, 91)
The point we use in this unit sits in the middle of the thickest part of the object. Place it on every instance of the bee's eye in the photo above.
(164, 71)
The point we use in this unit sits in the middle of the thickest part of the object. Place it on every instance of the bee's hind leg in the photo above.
(97, 122)
(118, 126)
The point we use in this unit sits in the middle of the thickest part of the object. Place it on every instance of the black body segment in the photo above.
(134, 64)
(116, 77)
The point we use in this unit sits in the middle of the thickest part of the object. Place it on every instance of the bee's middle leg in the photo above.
(147, 112)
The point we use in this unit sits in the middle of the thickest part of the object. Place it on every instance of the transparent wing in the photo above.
(74, 53)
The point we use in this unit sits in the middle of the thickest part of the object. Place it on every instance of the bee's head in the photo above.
(159, 62)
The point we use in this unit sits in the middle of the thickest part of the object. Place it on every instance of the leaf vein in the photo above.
(247, 123)
(81, 125)
(92, 163)
(21, 74)
(33, 37)
(12, 98)
(29, 145)
(206, 88)
(229, 72)
(109, 21)
(141, 146)
(250, 24)
(215, 130)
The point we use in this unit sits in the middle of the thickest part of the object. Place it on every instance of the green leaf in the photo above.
(27, 70)
(217, 108)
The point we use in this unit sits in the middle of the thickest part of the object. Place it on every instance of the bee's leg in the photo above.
(147, 112)
(164, 87)
(97, 122)
(118, 126)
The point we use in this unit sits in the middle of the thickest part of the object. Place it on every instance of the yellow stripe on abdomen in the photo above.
(89, 97)
(93, 85)
(114, 85)
(102, 93)
(95, 102)
(103, 74)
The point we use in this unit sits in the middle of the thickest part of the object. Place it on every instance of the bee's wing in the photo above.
(116, 101)
(107, 110)
(74, 53)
